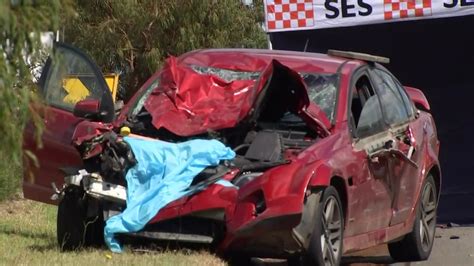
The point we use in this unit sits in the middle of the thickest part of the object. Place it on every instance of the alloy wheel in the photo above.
(428, 216)
(332, 233)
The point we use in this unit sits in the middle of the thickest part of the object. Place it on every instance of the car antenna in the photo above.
(306, 45)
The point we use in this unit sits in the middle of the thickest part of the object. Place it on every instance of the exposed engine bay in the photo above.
(260, 150)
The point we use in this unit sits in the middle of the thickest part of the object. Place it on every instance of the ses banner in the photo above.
(288, 15)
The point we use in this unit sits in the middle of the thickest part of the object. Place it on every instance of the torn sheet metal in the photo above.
(201, 102)
(163, 174)
(219, 99)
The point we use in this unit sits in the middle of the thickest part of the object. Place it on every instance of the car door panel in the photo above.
(56, 151)
(372, 185)
(405, 150)
(370, 197)
(406, 169)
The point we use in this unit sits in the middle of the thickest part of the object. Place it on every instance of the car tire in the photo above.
(417, 245)
(328, 231)
(74, 229)
(293, 261)
(239, 260)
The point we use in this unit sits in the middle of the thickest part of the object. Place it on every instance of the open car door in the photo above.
(69, 76)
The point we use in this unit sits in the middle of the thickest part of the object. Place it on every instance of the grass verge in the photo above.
(28, 237)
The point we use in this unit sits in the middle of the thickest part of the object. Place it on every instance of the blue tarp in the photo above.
(163, 173)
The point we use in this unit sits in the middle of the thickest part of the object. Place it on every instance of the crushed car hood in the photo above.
(188, 103)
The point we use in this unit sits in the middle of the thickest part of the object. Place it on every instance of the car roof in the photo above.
(256, 60)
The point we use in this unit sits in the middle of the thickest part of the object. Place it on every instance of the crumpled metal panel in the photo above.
(189, 102)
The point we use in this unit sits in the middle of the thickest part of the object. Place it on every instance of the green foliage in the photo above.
(133, 37)
(129, 36)
(9, 178)
(21, 21)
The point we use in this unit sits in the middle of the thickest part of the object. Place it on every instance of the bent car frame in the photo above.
(333, 154)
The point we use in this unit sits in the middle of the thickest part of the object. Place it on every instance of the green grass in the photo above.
(28, 237)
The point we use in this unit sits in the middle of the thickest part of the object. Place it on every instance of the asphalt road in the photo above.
(453, 246)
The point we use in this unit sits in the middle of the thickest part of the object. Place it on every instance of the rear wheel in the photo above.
(239, 260)
(417, 245)
(75, 229)
(325, 247)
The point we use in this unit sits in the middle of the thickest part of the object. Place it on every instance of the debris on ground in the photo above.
(452, 225)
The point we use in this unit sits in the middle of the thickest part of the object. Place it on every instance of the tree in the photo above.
(133, 37)
(21, 22)
(130, 36)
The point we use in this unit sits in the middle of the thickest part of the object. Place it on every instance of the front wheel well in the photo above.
(436, 173)
(340, 185)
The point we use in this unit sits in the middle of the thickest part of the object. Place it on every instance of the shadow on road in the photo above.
(346, 261)
(369, 260)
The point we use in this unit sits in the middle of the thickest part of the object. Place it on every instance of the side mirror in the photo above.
(89, 109)
(418, 97)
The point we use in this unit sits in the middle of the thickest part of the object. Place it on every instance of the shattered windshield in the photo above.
(226, 74)
(322, 90)
(141, 100)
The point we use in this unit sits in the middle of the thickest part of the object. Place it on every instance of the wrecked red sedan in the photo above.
(332, 154)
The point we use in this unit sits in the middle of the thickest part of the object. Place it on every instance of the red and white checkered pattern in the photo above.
(289, 14)
(394, 9)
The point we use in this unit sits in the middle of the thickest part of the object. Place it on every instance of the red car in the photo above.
(334, 155)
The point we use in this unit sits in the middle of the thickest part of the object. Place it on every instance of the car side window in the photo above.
(391, 99)
(365, 109)
(70, 79)
(406, 101)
